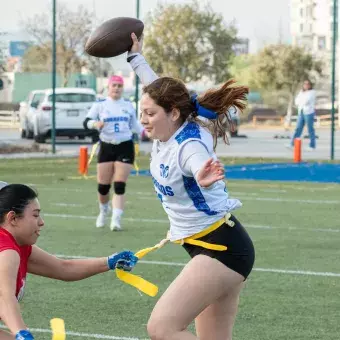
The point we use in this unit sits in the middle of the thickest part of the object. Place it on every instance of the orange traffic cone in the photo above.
(297, 150)
(83, 160)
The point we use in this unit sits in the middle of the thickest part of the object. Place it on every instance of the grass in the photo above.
(294, 226)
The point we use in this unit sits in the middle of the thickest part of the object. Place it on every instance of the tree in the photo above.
(98, 66)
(242, 69)
(73, 29)
(188, 42)
(39, 59)
(285, 67)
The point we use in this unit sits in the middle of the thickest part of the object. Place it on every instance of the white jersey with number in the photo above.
(119, 117)
(190, 208)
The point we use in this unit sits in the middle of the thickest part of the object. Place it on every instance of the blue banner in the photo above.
(18, 48)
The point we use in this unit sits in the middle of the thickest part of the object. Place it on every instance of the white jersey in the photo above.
(190, 208)
(119, 117)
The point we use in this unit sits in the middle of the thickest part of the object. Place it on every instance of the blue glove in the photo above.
(24, 335)
(124, 260)
(135, 138)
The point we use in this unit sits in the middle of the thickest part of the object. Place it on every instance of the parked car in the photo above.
(26, 112)
(71, 107)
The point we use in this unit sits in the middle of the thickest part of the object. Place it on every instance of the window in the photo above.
(36, 99)
(301, 27)
(310, 11)
(321, 43)
(301, 12)
(73, 98)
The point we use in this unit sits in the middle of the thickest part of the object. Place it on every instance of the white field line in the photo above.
(249, 184)
(269, 270)
(273, 190)
(274, 199)
(165, 221)
(74, 205)
(239, 194)
(83, 335)
(94, 217)
(304, 186)
(266, 199)
(46, 174)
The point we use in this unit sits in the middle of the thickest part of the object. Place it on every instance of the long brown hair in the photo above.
(170, 93)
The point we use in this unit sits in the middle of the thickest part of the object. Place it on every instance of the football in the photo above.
(113, 37)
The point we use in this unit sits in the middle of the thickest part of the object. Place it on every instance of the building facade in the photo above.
(312, 27)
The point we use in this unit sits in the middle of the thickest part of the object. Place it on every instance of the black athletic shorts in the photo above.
(123, 152)
(239, 256)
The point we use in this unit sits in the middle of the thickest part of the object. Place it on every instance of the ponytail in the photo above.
(221, 102)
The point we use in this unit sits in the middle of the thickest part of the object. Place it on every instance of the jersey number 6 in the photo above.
(117, 127)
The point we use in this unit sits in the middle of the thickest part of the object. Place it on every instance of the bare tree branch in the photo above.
(73, 29)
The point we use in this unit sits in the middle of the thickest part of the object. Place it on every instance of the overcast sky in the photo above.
(262, 21)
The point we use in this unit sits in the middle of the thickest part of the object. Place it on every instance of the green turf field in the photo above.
(293, 293)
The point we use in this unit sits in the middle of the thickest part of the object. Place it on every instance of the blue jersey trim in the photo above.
(196, 196)
(191, 130)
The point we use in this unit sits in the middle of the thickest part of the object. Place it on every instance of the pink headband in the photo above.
(116, 79)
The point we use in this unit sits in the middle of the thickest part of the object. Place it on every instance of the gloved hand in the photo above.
(135, 138)
(24, 335)
(124, 260)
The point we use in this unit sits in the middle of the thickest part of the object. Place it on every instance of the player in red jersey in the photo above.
(20, 227)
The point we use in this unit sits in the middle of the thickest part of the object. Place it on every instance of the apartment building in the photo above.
(312, 27)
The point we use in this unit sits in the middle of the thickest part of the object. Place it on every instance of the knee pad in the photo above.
(104, 189)
(119, 188)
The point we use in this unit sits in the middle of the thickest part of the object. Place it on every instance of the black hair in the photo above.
(310, 83)
(15, 197)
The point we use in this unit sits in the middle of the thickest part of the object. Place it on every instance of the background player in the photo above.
(115, 118)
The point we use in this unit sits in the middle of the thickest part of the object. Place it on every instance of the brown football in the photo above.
(113, 37)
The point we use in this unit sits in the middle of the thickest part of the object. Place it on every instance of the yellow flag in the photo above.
(58, 329)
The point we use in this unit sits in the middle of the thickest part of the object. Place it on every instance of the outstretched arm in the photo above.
(44, 264)
(138, 62)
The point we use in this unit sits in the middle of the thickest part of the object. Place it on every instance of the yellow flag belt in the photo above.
(151, 289)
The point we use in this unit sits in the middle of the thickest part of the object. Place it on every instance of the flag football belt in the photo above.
(151, 289)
